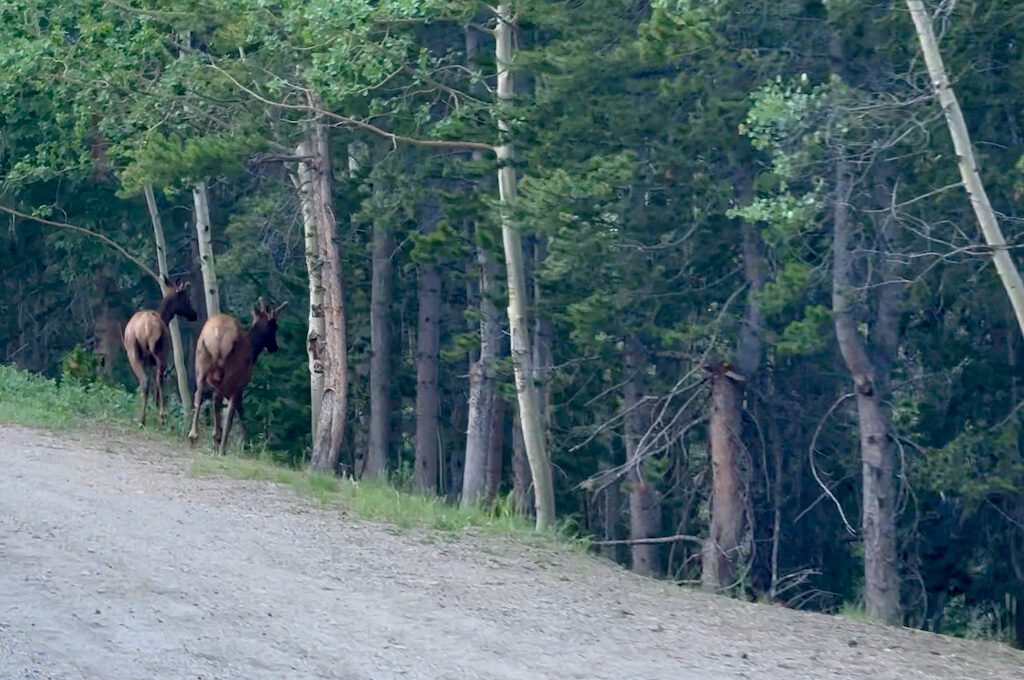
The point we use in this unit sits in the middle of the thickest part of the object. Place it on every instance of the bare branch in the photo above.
(348, 121)
(814, 469)
(87, 232)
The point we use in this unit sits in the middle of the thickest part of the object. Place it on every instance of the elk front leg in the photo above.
(240, 417)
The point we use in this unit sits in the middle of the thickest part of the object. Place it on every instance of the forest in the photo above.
(727, 288)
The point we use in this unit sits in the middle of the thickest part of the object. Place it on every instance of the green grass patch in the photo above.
(379, 501)
(36, 401)
(856, 611)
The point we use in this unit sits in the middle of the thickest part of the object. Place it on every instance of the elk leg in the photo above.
(144, 393)
(240, 417)
(197, 403)
(227, 425)
(161, 399)
(218, 419)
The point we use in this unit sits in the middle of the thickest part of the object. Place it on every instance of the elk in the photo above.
(225, 356)
(147, 339)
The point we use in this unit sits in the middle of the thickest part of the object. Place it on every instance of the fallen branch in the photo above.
(653, 541)
(87, 232)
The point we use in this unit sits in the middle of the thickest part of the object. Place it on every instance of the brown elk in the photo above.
(225, 357)
(147, 339)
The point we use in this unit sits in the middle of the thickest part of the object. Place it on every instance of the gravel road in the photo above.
(115, 564)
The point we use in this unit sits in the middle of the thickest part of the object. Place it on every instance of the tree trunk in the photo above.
(204, 237)
(333, 410)
(522, 481)
(531, 419)
(966, 162)
(316, 332)
(483, 388)
(174, 325)
(881, 577)
(542, 358)
(644, 503)
(495, 456)
(428, 339)
(718, 561)
(726, 420)
(380, 350)
(108, 330)
(610, 515)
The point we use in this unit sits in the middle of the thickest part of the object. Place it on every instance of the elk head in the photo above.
(263, 332)
(177, 301)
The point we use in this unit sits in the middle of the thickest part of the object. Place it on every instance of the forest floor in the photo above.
(116, 563)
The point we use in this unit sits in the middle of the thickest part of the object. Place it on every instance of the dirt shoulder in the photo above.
(116, 564)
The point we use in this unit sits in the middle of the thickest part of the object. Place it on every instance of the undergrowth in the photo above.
(29, 399)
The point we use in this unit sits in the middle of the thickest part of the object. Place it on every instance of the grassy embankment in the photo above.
(35, 401)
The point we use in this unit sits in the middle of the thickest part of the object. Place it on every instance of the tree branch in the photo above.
(88, 232)
(359, 124)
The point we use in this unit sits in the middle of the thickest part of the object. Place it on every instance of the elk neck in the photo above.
(165, 310)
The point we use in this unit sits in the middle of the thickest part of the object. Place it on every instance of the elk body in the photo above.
(147, 339)
(225, 357)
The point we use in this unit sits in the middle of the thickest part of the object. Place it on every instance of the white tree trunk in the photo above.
(316, 332)
(483, 389)
(965, 160)
(530, 417)
(334, 408)
(175, 325)
(201, 199)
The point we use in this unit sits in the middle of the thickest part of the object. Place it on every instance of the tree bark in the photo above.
(333, 411)
(718, 561)
(522, 480)
(719, 568)
(542, 357)
(966, 162)
(204, 237)
(316, 332)
(483, 389)
(870, 378)
(495, 456)
(644, 503)
(108, 330)
(177, 347)
(428, 339)
(530, 416)
(380, 349)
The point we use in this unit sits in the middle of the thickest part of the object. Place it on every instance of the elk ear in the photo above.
(184, 285)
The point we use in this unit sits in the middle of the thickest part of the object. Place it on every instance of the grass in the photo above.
(856, 611)
(379, 501)
(33, 400)
(36, 401)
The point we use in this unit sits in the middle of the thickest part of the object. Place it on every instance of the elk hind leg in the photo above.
(229, 416)
(161, 398)
(197, 403)
(139, 369)
(217, 406)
